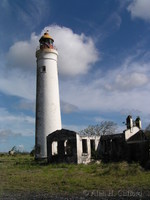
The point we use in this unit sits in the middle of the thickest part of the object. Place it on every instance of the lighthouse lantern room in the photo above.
(46, 41)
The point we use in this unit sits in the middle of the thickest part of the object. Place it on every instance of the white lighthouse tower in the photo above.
(48, 117)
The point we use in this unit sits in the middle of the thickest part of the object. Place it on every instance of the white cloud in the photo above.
(126, 87)
(19, 123)
(18, 83)
(140, 9)
(74, 127)
(10, 118)
(20, 148)
(77, 53)
(25, 104)
(131, 81)
(5, 134)
(21, 54)
(128, 77)
(99, 119)
(68, 108)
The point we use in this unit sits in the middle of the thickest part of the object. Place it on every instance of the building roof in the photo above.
(113, 136)
(138, 137)
(46, 35)
(61, 134)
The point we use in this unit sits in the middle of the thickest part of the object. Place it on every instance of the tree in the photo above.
(104, 128)
(147, 128)
(147, 132)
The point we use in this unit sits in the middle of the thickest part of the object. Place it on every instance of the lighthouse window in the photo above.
(51, 42)
(43, 69)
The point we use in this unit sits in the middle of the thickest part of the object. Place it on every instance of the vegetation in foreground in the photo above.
(20, 173)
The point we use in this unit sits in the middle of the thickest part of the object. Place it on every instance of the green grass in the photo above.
(22, 174)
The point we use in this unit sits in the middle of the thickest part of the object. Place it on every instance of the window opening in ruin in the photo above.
(65, 146)
(92, 144)
(68, 147)
(84, 146)
(54, 148)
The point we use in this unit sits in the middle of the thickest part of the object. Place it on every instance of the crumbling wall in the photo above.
(84, 148)
(65, 148)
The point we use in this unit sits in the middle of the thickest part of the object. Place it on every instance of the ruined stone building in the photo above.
(131, 145)
(68, 146)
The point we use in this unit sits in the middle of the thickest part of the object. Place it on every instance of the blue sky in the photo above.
(104, 63)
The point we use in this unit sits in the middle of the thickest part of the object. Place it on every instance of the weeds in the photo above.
(22, 174)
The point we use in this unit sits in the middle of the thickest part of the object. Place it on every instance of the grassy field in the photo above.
(22, 174)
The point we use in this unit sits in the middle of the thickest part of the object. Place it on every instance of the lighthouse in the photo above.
(48, 117)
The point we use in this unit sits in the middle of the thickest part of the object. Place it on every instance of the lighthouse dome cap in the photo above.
(46, 35)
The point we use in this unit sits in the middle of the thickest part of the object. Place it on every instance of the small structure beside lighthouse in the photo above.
(48, 117)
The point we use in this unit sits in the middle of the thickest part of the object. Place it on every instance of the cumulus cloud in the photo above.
(19, 123)
(91, 98)
(127, 87)
(18, 83)
(5, 134)
(6, 116)
(131, 81)
(21, 54)
(140, 9)
(126, 79)
(77, 52)
(74, 127)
